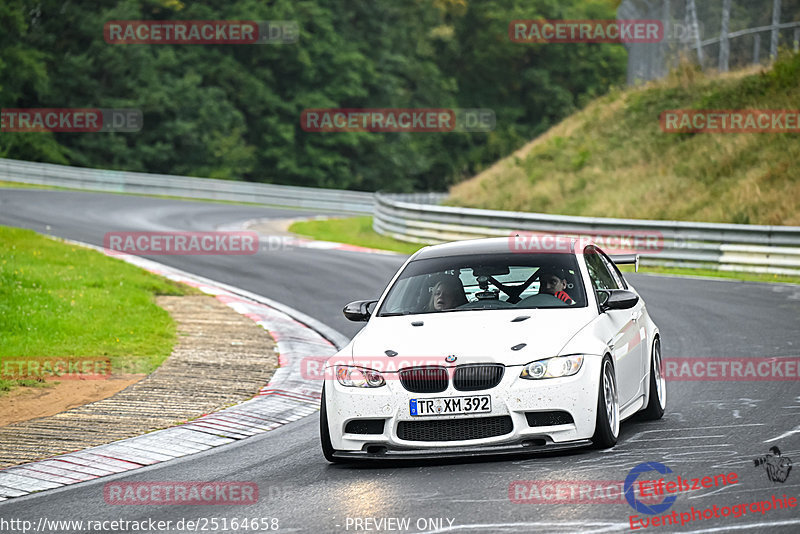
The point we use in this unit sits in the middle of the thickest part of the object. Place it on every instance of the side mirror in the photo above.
(616, 299)
(359, 310)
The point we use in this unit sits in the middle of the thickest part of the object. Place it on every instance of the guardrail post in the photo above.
(776, 19)
(756, 48)
(667, 43)
(692, 12)
(724, 45)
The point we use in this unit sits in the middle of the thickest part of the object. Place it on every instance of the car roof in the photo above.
(492, 245)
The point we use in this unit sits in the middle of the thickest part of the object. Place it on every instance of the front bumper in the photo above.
(512, 397)
(526, 447)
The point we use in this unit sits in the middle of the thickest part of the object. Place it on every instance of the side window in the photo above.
(598, 271)
(615, 274)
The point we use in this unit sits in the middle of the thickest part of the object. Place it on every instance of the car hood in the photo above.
(472, 336)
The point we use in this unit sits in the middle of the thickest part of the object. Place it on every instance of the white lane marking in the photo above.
(697, 428)
(670, 448)
(681, 429)
(701, 495)
(678, 437)
(728, 401)
(795, 430)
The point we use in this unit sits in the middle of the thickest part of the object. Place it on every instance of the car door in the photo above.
(622, 327)
(637, 314)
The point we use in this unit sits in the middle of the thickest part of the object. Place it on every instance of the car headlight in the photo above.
(552, 367)
(358, 377)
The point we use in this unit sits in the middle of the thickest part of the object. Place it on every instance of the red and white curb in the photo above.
(288, 397)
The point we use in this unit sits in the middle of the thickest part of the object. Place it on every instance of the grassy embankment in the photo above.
(59, 300)
(612, 160)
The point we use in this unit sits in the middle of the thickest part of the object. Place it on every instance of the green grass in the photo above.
(58, 300)
(358, 231)
(353, 231)
(8, 385)
(612, 158)
(21, 185)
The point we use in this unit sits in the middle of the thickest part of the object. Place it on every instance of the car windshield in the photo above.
(486, 282)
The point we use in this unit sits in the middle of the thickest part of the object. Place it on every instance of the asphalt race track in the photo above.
(710, 427)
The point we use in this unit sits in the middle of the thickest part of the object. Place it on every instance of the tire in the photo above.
(607, 424)
(324, 432)
(658, 385)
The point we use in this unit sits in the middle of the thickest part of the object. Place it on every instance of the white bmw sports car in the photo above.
(476, 347)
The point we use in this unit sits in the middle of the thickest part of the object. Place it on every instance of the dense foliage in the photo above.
(228, 111)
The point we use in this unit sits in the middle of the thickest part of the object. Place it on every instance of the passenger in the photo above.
(447, 294)
(552, 282)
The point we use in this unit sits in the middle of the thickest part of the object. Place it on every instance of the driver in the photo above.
(447, 293)
(552, 282)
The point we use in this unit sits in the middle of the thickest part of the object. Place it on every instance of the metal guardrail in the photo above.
(185, 186)
(418, 218)
(734, 247)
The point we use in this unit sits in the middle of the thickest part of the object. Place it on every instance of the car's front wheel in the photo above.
(324, 432)
(607, 424)
(658, 385)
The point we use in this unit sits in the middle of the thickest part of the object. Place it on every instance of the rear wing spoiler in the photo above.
(626, 259)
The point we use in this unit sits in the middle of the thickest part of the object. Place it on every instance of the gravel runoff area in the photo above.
(221, 358)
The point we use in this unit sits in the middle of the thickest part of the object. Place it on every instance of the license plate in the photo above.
(451, 405)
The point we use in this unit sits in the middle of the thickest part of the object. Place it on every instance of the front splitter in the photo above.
(461, 452)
